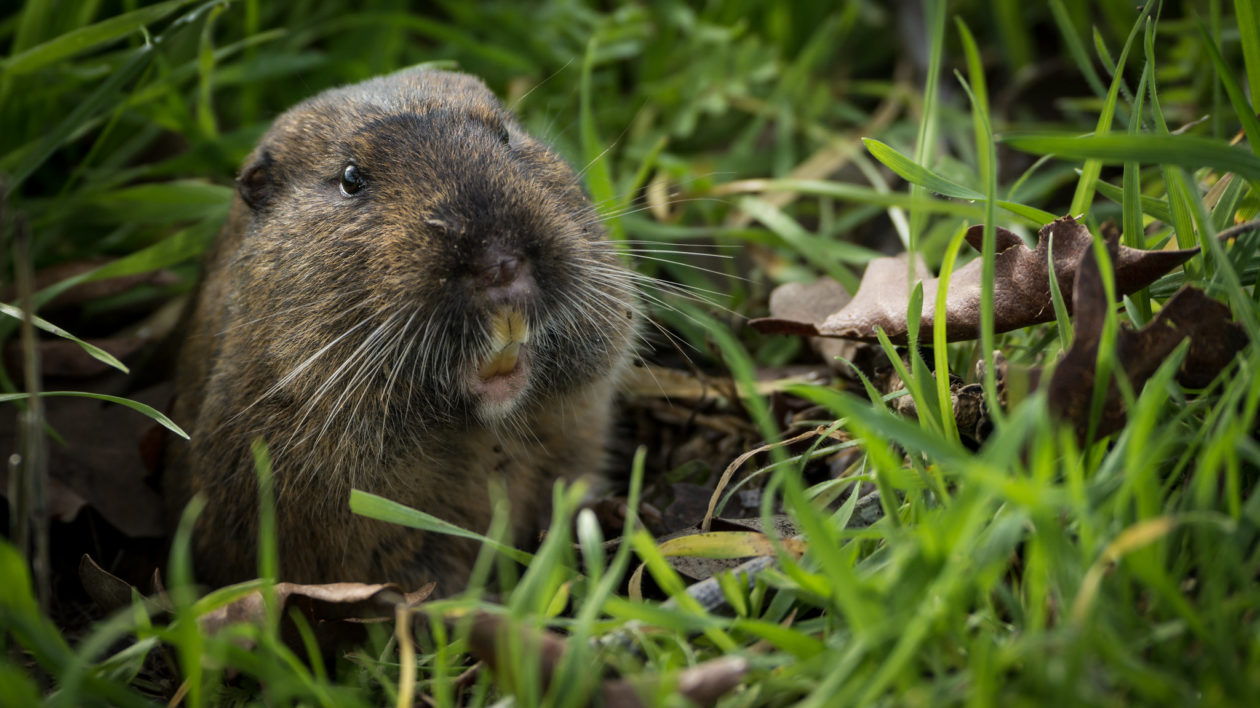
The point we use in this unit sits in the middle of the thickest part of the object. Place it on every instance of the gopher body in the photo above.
(412, 297)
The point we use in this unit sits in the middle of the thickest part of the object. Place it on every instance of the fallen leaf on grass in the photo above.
(493, 637)
(1021, 288)
(329, 602)
(813, 302)
(699, 555)
(1214, 340)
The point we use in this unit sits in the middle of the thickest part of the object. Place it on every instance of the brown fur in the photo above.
(344, 330)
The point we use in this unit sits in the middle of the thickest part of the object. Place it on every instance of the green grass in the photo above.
(1031, 570)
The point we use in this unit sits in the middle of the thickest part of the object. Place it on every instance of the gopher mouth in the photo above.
(504, 373)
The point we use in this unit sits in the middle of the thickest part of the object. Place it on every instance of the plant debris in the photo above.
(1214, 340)
(1021, 287)
(336, 612)
(320, 604)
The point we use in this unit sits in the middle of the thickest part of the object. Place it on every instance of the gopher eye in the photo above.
(504, 135)
(351, 180)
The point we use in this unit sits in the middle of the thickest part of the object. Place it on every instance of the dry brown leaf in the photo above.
(336, 611)
(352, 602)
(1214, 340)
(1214, 337)
(1021, 288)
(813, 302)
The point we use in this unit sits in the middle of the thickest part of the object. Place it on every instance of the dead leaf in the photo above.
(1021, 287)
(110, 592)
(813, 302)
(689, 504)
(64, 504)
(1214, 340)
(330, 602)
(1214, 337)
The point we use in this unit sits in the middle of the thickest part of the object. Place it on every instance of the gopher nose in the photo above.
(504, 277)
(500, 271)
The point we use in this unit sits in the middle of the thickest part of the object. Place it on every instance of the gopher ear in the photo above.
(256, 182)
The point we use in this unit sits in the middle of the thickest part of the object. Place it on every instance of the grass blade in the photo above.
(925, 145)
(1072, 42)
(382, 509)
(914, 173)
(86, 38)
(1246, 114)
(598, 172)
(1187, 151)
(92, 350)
(1249, 36)
(1084, 195)
(137, 406)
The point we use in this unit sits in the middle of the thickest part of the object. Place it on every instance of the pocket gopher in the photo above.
(412, 297)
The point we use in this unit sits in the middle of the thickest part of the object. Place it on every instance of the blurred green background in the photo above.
(122, 124)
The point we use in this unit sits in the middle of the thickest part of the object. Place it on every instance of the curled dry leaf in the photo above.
(813, 302)
(1021, 287)
(330, 602)
(352, 602)
(335, 611)
(1214, 340)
